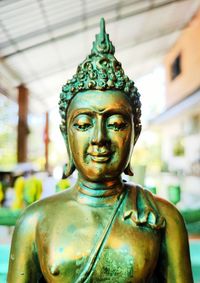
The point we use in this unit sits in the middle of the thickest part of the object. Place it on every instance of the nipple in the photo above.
(54, 270)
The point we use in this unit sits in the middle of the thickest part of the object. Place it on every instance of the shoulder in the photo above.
(27, 222)
(141, 194)
(34, 212)
(166, 207)
(144, 207)
(174, 219)
(176, 266)
(153, 210)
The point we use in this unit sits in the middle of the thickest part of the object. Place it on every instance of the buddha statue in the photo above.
(102, 229)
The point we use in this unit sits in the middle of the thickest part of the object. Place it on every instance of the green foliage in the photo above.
(179, 149)
(9, 217)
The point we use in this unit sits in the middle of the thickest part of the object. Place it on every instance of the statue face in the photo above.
(100, 133)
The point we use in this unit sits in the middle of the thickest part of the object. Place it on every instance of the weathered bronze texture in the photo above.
(102, 229)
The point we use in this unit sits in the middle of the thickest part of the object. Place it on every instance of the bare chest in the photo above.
(129, 252)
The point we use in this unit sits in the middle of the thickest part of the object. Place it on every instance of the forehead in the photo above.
(100, 101)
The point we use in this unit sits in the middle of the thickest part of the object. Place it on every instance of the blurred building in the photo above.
(180, 122)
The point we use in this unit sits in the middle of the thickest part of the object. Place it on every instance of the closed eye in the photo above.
(82, 127)
(117, 126)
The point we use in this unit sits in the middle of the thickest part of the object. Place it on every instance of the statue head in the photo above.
(100, 87)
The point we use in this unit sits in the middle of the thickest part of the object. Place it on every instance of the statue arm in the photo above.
(174, 262)
(22, 265)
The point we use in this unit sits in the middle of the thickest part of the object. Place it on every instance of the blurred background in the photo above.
(41, 44)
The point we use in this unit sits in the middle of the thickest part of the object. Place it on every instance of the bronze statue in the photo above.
(103, 229)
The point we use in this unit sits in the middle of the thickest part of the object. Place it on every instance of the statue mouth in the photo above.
(100, 157)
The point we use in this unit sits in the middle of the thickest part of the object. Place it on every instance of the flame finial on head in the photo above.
(102, 44)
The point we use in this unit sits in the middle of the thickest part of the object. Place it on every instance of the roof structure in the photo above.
(43, 41)
(188, 105)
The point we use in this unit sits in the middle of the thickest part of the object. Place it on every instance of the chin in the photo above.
(99, 174)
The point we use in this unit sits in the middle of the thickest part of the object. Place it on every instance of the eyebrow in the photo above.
(106, 112)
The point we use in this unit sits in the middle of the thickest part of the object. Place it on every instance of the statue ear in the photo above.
(69, 167)
(128, 170)
(135, 139)
(137, 132)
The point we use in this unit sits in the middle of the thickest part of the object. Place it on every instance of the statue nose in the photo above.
(99, 135)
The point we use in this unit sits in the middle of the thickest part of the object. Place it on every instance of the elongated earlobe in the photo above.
(69, 167)
(128, 170)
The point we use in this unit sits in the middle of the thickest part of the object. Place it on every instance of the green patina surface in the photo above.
(109, 268)
(8, 217)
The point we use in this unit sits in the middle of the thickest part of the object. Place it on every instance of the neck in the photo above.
(99, 193)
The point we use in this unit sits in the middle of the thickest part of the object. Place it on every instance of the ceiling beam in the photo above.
(99, 12)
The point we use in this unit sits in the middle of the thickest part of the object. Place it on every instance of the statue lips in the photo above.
(100, 158)
(99, 155)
